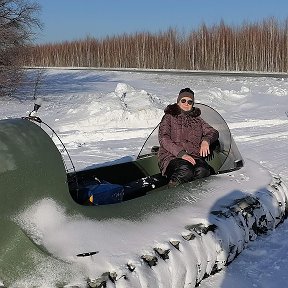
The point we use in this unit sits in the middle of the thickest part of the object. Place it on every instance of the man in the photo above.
(184, 139)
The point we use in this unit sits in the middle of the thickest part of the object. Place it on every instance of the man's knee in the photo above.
(184, 173)
(201, 172)
(180, 170)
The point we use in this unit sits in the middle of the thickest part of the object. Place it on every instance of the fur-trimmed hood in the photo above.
(174, 110)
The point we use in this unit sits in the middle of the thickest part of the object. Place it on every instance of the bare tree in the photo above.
(18, 19)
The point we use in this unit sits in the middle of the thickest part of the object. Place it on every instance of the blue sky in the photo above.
(75, 19)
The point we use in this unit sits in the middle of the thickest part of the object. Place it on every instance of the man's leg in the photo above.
(179, 171)
(201, 169)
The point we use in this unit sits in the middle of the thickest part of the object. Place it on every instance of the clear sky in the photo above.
(76, 19)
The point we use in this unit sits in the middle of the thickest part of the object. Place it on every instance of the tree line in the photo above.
(261, 46)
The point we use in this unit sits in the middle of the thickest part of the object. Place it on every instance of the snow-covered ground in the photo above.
(104, 116)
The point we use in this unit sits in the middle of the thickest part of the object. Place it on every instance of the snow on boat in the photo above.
(168, 238)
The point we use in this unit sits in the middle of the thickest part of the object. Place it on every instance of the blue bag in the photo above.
(105, 193)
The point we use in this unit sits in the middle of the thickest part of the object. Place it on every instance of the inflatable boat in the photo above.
(130, 195)
(109, 184)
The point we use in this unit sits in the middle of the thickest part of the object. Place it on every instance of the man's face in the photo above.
(186, 103)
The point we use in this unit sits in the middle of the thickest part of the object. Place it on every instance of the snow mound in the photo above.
(277, 91)
(126, 107)
(122, 114)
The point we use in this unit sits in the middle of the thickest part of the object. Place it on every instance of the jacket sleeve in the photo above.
(209, 133)
(165, 140)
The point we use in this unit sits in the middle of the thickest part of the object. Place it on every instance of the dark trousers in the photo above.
(181, 171)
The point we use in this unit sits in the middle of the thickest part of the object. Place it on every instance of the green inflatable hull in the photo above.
(172, 236)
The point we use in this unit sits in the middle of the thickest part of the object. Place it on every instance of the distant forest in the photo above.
(261, 46)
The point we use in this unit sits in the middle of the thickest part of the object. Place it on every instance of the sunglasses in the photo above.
(189, 102)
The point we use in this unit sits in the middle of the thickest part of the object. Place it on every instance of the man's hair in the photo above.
(186, 90)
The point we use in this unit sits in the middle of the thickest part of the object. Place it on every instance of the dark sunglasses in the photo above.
(189, 102)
